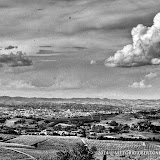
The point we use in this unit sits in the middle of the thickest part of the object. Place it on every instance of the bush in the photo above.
(79, 152)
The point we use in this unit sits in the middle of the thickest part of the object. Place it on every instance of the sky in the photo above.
(80, 48)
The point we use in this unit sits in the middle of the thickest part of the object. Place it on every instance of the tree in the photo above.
(113, 123)
(98, 128)
(104, 157)
(79, 152)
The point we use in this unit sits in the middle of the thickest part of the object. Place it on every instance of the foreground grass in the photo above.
(48, 146)
(7, 154)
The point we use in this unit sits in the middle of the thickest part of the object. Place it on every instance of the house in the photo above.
(23, 132)
(92, 135)
(74, 133)
(29, 121)
(156, 125)
(12, 122)
(50, 131)
(44, 133)
(64, 126)
(63, 133)
(42, 122)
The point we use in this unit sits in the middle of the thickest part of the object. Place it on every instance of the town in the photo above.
(93, 121)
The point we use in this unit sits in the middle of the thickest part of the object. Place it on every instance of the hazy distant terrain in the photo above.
(126, 103)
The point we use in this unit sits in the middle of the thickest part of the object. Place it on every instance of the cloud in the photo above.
(15, 60)
(145, 49)
(151, 75)
(16, 84)
(86, 23)
(47, 52)
(92, 62)
(140, 84)
(11, 47)
(19, 84)
(45, 46)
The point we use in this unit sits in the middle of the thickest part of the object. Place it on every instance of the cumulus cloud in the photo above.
(141, 84)
(151, 75)
(145, 49)
(92, 62)
(15, 60)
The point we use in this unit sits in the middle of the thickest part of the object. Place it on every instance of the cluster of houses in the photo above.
(94, 127)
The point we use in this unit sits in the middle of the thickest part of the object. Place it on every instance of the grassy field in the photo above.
(47, 146)
(47, 142)
(7, 154)
(6, 137)
(40, 154)
(14, 145)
